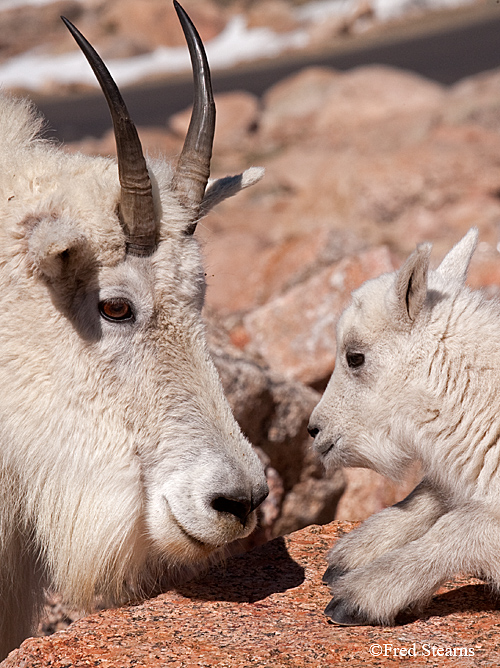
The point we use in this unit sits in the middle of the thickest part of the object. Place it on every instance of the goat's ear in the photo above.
(456, 263)
(220, 189)
(54, 245)
(411, 284)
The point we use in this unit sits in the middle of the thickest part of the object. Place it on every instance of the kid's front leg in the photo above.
(389, 529)
(465, 540)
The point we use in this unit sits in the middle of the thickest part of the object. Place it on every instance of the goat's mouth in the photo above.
(204, 548)
(324, 449)
(195, 542)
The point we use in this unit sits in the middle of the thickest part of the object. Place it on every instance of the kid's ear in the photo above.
(54, 244)
(220, 189)
(411, 284)
(456, 263)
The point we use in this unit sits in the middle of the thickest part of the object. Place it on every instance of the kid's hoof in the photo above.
(339, 614)
(332, 574)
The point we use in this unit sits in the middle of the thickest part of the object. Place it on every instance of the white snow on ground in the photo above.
(318, 10)
(12, 4)
(236, 44)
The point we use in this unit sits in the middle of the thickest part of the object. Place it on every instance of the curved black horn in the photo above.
(136, 199)
(193, 167)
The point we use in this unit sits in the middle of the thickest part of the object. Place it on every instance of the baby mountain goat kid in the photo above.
(120, 459)
(417, 377)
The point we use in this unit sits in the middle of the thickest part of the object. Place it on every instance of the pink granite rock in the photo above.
(264, 609)
(23, 27)
(375, 95)
(292, 105)
(237, 117)
(243, 271)
(475, 101)
(118, 28)
(295, 333)
(153, 23)
(350, 107)
(367, 492)
(274, 14)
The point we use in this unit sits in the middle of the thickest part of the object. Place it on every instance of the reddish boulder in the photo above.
(292, 105)
(276, 15)
(149, 24)
(377, 96)
(24, 27)
(245, 271)
(367, 492)
(295, 333)
(475, 101)
(237, 117)
(265, 608)
(351, 108)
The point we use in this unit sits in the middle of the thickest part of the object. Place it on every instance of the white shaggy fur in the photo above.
(416, 378)
(117, 444)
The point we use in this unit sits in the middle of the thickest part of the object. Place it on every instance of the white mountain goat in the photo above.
(416, 378)
(120, 459)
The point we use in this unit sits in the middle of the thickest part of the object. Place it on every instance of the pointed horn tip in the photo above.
(181, 13)
(69, 25)
(193, 167)
(190, 31)
(179, 8)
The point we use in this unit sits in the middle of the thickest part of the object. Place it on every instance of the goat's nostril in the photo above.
(313, 431)
(240, 508)
(261, 496)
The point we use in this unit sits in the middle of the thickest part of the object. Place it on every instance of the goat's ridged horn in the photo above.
(136, 199)
(193, 168)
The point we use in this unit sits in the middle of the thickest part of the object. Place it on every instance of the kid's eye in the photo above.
(355, 360)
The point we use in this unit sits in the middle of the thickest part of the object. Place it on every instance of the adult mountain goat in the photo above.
(416, 378)
(120, 458)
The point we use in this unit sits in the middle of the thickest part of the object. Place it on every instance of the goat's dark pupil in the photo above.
(355, 360)
(116, 309)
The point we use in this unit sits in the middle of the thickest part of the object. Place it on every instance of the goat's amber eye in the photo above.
(116, 309)
(355, 360)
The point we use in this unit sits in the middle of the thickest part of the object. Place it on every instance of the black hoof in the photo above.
(332, 574)
(339, 613)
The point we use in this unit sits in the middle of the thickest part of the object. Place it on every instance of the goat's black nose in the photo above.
(239, 507)
(313, 431)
